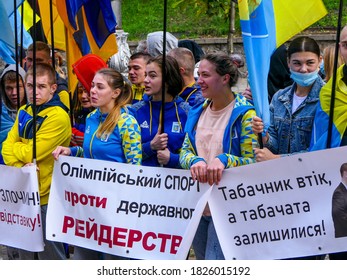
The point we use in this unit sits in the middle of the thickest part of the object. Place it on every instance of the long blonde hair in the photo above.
(328, 58)
(115, 80)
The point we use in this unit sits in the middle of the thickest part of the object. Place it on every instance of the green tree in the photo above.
(221, 8)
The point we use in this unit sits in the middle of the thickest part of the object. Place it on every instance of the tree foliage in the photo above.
(218, 8)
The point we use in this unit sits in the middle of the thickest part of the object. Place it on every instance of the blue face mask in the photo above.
(304, 79)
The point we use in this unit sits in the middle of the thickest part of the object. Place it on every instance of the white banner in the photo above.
(20, 215)
(132, 211)
(280, 208)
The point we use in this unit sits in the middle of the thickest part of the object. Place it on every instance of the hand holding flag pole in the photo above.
(163, 70)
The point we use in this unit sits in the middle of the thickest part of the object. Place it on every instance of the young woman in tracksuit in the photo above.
(218, 136)
(161, 147)
(111, 133)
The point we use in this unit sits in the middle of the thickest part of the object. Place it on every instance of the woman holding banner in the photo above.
(112, 133)
(218, 136)
(292, 109)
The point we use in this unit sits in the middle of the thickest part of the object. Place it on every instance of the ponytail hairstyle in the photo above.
(303, 44)
(115, 80)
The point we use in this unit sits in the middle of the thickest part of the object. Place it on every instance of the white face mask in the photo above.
(304, 79)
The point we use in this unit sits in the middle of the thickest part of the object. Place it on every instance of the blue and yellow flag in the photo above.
(265, 25)
(7, 36)
(21, 31)
(89, 28)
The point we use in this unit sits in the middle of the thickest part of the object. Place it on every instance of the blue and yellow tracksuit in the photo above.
(148, 115)
(53, 128)
(122, 145)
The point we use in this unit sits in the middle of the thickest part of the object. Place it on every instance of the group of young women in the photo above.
(206, 147)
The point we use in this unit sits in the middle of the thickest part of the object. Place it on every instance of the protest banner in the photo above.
(20, 215)
(127, 210)
(280, 208)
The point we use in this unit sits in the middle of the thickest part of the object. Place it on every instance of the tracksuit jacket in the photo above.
(122, 145)
(238, 139)
(148, 114)
(53, 128)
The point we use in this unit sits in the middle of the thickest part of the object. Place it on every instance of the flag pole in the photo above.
(163, 70)
(260, 141)
(15, 32)
(16, 50)
(34, 82)
(52, 31)
(333, 84)
(21, 34)
(68, 62)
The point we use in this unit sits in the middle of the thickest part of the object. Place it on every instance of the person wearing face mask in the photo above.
(293, 108)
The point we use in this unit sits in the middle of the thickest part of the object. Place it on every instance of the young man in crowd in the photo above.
(52, 129)
(136, 74)
(43, 55)
(191, 91)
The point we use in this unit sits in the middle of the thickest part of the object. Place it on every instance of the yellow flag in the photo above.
(28, 17)
(58, 24)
